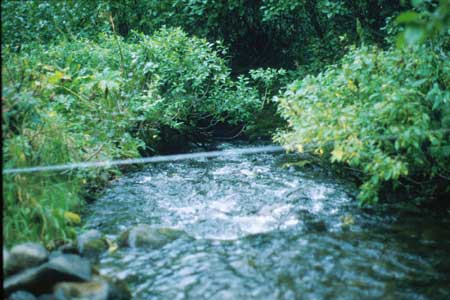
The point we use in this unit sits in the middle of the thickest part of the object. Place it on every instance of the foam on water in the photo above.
(261, 231)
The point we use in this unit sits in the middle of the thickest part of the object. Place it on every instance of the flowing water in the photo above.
(258, 230)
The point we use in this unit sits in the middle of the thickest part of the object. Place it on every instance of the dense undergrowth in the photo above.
(85, 101)
(384, 113)
(101, 80)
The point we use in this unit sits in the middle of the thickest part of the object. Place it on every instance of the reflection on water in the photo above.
(261, 231)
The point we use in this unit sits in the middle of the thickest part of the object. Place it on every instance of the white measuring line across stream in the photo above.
(143, 160)
(178, 157)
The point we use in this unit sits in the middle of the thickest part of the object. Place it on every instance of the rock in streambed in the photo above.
(41, 279)
(24, 256)
(65, 274)
(92, 243)
(148, 236)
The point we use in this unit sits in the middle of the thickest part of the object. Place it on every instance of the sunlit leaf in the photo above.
(72, 217)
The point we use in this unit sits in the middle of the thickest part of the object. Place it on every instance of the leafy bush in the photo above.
(191, 81)
(428, 20)
(265, 33)
(84, 100)
(43, 21)
(386, 113)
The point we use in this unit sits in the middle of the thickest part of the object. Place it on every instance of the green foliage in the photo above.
(267, 82)
(83, 100)
(263, 34)
(97, 80)
(191, 83)
(47, 20)
(423, 23)
(318, 32)
(385, 113)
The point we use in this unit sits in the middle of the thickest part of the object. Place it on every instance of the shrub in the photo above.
(46, 20)
(385, 113)
(82, 100)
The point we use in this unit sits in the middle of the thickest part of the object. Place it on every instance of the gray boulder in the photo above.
(6, 258)
(40, 280)
(24, 256)
(148, 236)
(69, 248)
(54, 254)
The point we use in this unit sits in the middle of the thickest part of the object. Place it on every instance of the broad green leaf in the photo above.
(408, 17)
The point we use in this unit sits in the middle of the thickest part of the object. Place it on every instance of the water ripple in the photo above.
(261, 231)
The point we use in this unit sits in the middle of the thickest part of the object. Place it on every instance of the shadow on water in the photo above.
(257, 230)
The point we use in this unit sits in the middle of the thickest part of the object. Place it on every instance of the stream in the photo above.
(256, 229)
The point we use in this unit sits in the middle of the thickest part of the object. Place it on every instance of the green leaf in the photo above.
(72, 217)
(400, 41)
(408, 17)
(337, 155)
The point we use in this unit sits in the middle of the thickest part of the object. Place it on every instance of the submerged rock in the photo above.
(40, 280)
(118, 289)
(92, 243)
(93, 290)
(148, 236)
(24, 256)
(316, 226)
(98, 289)
(46, 297)
(22, 295)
